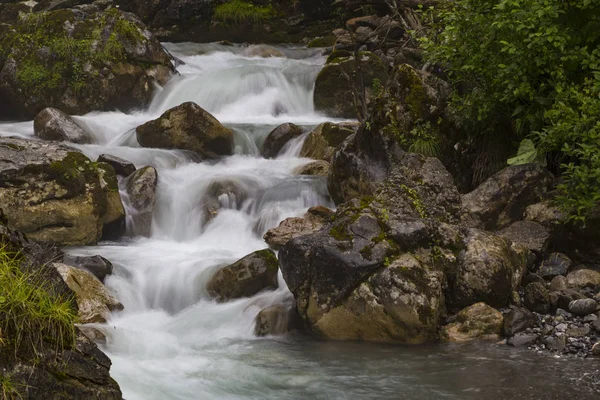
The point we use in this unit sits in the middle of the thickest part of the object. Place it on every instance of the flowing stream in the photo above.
(173, 342)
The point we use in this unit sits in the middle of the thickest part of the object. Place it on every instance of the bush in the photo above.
(528, 69)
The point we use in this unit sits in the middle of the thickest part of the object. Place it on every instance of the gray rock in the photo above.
(312, 221)
(530, 278)
(99, 266)
(555, 343)
(537, 298)
(141, 189)
(122, 167)
(563, 298)
(583, 307)
(529, 234)
(556, 264)
(583, 278)
(522, 340)
(315, 168)
(276, 320)
(578, 331)
(558, 283)
(561, 327)
(517, 320)
(278, 138)
(53, 124)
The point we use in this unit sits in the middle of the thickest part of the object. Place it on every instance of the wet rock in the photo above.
(502, 199)
(53, 124)
(99, 266)
(478, 321)
(116, 64)
(563, 298)
(228, 194)
(558, 283)
(114, 213)
(517, 320)
(333, 94)
(537, 298)
(556, 264)
(555, 343)
(315, 168)
(93, 299)
(531, 235)
(246, 277)
(545, 213)
(522, 340)
(122, 167)
(187, 127)
(262, 51)
(141, 189)
(583, 307)
(311, 222)
(277, 139)
(321, 143)
(51, 192)
(276, 320)
(583, 278)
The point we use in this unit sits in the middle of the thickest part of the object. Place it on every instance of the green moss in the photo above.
(416, 201)
(74, 171)
(340, 232)
(29, 315)
(8, 388)
(108, 176)
(270, 258)
(242, 12)
(338, 54)
(324, 41)
(367, 252)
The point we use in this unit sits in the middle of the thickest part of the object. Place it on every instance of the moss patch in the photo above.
(270, 258)
(240, 12)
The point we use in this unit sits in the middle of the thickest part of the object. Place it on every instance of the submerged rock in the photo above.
(53, 124)
(478, 321)
(141, 189)
(187, 127)
(276, 320)
(229, 194)
(93, 299)
(277, 139)
(246, 277)
(262, 50)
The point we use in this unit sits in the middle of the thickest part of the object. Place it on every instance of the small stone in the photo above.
(596, 325)
(563, 313)
(583, 307)
(596, 349)
(122, 167)
(537, 298)
(590, 318)
(556, 264)
(555, 343)
(522, 340)
(561, 327)
(578, 332)
(558, 283)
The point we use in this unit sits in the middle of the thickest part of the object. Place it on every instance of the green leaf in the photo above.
(526, 154)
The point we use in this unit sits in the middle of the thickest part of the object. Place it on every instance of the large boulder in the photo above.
(341, 81)
(187, 127)
(583, 278)
(79, 61)
(320, 144)
(52, 192)
(478, 321)
(278, 138)
(141, 191)
(95, 302)
(504, 197)
(53, 124)
(289, 228)
(531, 235)
(246, 277)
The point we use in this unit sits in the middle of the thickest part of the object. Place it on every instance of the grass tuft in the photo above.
(8, 389)
(241, 12)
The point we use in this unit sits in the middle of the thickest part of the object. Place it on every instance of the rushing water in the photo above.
(173, 342)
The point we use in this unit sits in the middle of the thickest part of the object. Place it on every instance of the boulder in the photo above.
(556, 264)
(122, 167)
(583, 307)
(341, 79)
(528, 234)
(537, 298)
(315, 168)
(277, 139)
(503, 198)
(98, 266)
(583, 278)
(489, 269)
(187, 127)
(246, 277)
(79, 61)
(51, 192)
(312, 221)
(276, 320)
(478, 321)
(141, 190)
(114, 213)
(558, 283)
(53, 124)
(320, 144)
(517, 320)
(93, 299)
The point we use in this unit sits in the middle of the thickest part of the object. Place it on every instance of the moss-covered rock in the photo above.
(276, 320)
(312, 221)
(476, 322)
(51, 192)
(79, 61)
(187, 127)
(246, 277)
(320, 144)
(341, 80)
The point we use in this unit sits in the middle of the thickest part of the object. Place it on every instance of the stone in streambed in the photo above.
(321, 143)
(529, 234)
(141, 189)
(276, 320)
(583, 278)
(114, 214)
(537, 298)
(583, 307)
(121, 166)
(244, 278)
(478, 321)
(556, 264)
(187, 127)
(277, 139)
(517, 320)
(315, 168)
(312, 221)
(53, 124)
(99, 266)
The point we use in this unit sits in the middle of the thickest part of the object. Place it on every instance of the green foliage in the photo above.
(423, 140)
(242, 12)
(528, 69)
(8, 389)
(527, 154)
(29, 315)
(416, 201)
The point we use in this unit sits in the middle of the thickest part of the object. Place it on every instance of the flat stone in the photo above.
(556, 264)
(578, 332)
(522, 340)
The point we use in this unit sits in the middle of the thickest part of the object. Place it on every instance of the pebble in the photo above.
(561, 327)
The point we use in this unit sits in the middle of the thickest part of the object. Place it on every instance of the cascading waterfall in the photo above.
(172, 341)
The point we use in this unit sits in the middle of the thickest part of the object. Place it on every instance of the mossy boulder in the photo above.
(246, 277)
(321, 143)
(52, 192)
(341, 79)
(476, 322)
(79, 61)
(53, 124)
(187, 127)
(315, 168)
(141, 191)
(10, 11)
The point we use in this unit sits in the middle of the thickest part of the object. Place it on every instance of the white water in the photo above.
(172, 341)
